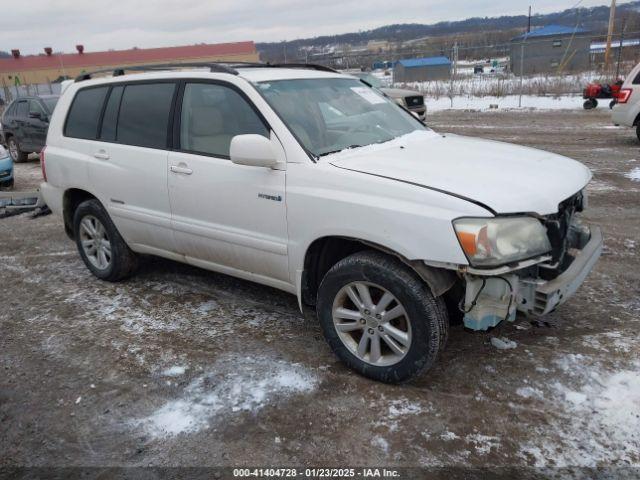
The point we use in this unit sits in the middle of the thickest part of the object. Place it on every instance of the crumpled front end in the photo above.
(535, 287)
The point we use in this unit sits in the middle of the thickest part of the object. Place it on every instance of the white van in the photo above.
(626, 109)
(312, 182)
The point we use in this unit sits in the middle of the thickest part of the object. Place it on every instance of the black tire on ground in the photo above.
(123, 261)
(427, 314)
(7, 185)
(612, 104)
(14, 150)
(638, 131)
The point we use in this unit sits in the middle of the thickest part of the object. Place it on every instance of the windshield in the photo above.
(50, 103)
(328, 115)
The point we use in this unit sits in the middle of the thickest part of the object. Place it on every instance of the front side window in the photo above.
(144, 114)
(212, 115)
(35, 107)
(84, 115)
(331, 114)
(22, 109)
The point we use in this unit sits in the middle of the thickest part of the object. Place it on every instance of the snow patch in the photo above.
(634, 174)
(596, 418)
(249, 386)
(529, 392)
(503, 343)
(174, 371)
(381, 443)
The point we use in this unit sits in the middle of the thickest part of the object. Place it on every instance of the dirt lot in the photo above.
(182, 367)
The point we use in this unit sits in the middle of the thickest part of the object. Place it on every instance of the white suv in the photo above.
(312, 182)
(626, 109)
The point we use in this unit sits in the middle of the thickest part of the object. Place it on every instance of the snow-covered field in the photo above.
(509, 102)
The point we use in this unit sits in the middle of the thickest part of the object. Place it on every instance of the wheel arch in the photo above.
(71, 199)
(325, 252)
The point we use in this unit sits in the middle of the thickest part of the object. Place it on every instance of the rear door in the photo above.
(225, 216)
(129, 164)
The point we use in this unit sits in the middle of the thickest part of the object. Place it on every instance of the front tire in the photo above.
(380, 318)
(101, 247)
(17, 155)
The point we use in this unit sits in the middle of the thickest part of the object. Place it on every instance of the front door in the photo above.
(225, 216)
(36, 125)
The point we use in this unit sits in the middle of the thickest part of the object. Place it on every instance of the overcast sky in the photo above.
(31, 25)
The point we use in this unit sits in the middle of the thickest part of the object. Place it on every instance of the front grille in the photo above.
(4, 174)
(416, 101)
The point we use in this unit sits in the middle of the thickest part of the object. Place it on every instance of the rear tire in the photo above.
(638, 131)
(397, 346)
(101, 246)
(17, 155)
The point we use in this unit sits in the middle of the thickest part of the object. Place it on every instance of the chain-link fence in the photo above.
(11, 92)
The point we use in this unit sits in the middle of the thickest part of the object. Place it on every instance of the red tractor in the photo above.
(595, 90)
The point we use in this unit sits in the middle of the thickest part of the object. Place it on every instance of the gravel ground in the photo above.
(182, 367)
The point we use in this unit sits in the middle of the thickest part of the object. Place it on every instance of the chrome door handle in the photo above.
(180, 169)
(101, 155)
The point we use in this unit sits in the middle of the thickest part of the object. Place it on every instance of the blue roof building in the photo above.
(421, 69)
(549, 31)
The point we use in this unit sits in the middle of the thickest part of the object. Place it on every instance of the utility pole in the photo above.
(612, 14)
(620, 48)
(529, 22)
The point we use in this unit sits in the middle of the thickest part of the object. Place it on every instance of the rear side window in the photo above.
(84, 115)
(110, 119)
(636, 81)
(144, 114)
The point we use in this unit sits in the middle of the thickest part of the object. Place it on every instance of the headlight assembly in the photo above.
(489, 242)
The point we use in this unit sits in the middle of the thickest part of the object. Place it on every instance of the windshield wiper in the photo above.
(338, 150)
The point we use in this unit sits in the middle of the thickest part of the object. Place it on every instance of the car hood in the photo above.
(400, 92)
(502, 177)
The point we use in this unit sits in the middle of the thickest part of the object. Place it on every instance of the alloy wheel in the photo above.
(372, 323)
(95, 242)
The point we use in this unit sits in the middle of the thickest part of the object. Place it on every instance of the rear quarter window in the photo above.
(84, 114)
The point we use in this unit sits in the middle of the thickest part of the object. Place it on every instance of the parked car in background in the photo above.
(312, 182)
(412, 100)
(25, 123)
(626, 110)
(6, 169)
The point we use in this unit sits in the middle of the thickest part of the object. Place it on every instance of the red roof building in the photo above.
(50, 66)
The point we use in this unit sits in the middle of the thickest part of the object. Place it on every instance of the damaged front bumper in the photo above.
(496, 295)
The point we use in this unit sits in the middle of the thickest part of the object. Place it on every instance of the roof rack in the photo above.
(219, 67)
(310, 66)
(119, 71)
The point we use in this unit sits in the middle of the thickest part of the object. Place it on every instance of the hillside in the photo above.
(594, 19)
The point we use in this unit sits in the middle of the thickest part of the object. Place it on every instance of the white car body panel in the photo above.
(472, 168)
(401, 199)
(625, 114)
